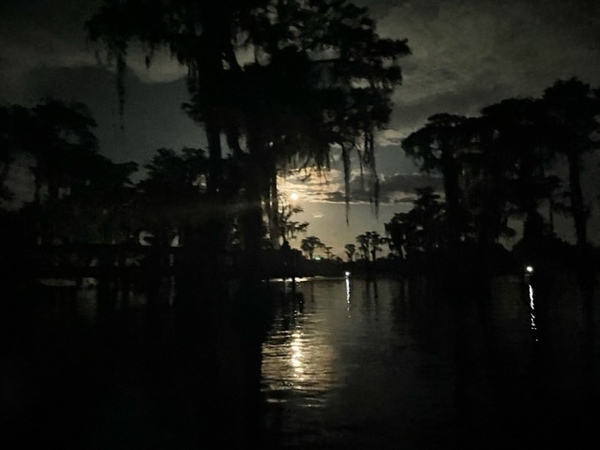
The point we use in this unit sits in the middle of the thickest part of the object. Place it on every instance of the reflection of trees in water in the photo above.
(122, 367)
(507, 385)
(533, 380)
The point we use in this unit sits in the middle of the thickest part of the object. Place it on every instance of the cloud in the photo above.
(396, 188)
(163, 68)
(389, 137)
(36, 35)
(468, 54)
(398, 177)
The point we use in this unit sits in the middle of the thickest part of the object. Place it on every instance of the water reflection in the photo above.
(296, 359)
(348, 291)
(349, 380)
(532, 322)
(411, 367)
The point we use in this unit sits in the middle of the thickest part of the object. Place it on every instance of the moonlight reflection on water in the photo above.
(297, 362)
(411, 368)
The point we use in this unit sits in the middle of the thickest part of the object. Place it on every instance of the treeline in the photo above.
(503, 164)
(316, 75)
(68, 190)
(519, 157)
(318, 80)
(74, 194)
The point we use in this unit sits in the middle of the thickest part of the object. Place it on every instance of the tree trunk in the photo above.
(452, 193)
(273, 201)
(215, 177)
(578, 209)
(252, 222)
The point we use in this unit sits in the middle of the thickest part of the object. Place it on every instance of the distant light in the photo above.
(347, 274)
(529, 269)
(294, 196)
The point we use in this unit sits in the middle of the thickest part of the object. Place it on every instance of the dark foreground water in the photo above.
(340, 363)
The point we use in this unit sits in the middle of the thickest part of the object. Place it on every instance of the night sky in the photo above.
(465, 55)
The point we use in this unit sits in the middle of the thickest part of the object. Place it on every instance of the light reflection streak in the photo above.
(348, 292)
(298, 361)
(533, 325)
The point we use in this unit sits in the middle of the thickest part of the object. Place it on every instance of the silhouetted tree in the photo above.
(172, 199)
(98, 208)
(272, 103)
(422, 229)
(571, 111)
(289, 229)
(64, 139)
(350, 251)
(401, 231)
(67, 166)
(14, 125)
(375, 243)
(521, 158)
(440, 146)
(310, 244)
(364, 245)
(79, 194)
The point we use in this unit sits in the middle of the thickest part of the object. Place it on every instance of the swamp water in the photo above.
(339, 363)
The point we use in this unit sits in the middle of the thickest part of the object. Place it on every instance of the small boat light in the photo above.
(529, 269)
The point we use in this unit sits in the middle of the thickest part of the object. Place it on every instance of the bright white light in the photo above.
(347, 274)
(294, 196)
(529, 269)
(348, 294)
(533, 325)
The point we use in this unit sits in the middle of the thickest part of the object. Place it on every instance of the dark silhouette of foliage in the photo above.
(289, 229)
(375, 243)
(423, 229)
(321, 76)
(77, 191)
(309, 244)
(517, 140)
(172, 197)
(502, 164)
(14, 138)
(350, 250)
(441, 145)
(364, 244)
(571, 112)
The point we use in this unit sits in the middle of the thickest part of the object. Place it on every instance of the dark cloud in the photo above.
(396, 188)
(468, 54)
(36, 33)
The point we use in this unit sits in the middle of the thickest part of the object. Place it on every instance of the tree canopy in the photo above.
(319, 76)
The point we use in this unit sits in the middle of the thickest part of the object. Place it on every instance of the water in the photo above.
(389, 364)
(340, 363)
(348, 367)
